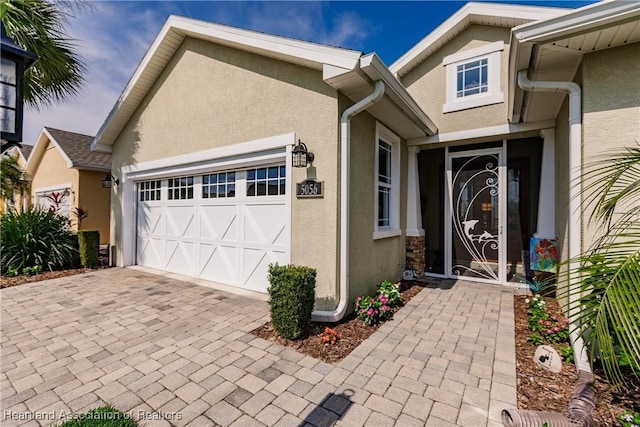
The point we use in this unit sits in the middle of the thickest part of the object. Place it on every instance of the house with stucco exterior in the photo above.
(448, 161)
(65, 174)
(20, 201)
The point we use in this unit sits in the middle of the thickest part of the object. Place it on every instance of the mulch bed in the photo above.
(542, 390)
(351, 330)
(7, 282)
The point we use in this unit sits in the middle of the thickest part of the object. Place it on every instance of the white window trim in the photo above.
(493, 95)
(386, 135)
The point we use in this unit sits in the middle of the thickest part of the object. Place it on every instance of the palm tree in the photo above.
(610, 274)
(14, 180)
(37, 26)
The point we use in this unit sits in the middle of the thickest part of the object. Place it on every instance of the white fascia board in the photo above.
(583, 19)
(470, 11)
(373, 66)
(243, 148)
(316, 54)
(311, 54)
(491, 131)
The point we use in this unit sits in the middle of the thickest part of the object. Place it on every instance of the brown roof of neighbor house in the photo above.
(26, 150)
(77, 147)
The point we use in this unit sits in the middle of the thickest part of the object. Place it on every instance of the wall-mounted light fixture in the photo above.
(109, 180)
(15, 62)
(300, 156)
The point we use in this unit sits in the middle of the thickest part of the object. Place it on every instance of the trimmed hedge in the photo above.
(291, 297)
(89, 243)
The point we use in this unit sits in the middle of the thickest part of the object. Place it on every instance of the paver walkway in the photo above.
(172, 352)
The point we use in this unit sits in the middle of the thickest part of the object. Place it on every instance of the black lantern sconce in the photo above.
(109, 180)
(15, 62)
(300, 156)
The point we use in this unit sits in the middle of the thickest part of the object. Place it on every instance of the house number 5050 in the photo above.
(309, 188)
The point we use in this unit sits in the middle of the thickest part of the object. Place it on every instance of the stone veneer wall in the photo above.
(416, 253)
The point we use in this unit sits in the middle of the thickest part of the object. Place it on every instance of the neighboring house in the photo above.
(22, 154)
(440, 162)
(63, 167)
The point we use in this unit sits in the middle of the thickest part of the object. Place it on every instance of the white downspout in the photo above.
(575, 188)
(345, 142)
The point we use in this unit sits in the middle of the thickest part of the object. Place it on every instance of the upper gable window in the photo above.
(473, 78)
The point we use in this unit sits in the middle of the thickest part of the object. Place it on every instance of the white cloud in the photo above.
(112, 38)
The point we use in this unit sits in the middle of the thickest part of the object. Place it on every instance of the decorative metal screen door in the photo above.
(475, 215)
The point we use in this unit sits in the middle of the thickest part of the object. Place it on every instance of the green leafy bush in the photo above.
(104, 416)
(32, 271)
(35, 237)
(291, 298)
(391, 291)
(89, 246)
(373, 310)
(547, 325)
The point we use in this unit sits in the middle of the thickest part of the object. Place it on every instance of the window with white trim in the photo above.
(149, 190)
(218, 185)
(387, 184)
(473, 78)
(180, 188)
(269, 181)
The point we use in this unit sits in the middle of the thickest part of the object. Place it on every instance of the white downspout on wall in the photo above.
(345, 142)
(575, 188)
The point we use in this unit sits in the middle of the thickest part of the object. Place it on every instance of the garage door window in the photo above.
(266, 181)
(219, 185)
(181, 188)
(149, 190)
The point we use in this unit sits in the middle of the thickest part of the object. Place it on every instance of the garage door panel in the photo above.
(150, 252)
(180, 256)
(256, 266)
(181, 221)
(219, 222)
(149, 220)
(263, 223)
(218, 263)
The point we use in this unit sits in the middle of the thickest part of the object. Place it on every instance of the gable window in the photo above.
(180, 188)
(473, 78)
(149, 190)
(387, 184)
(217, 185)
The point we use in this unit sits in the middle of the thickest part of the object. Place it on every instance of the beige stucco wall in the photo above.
(212, 96)
(611, 107)
(53, 171)
(97, 201)
(427, 82)
(371, 261)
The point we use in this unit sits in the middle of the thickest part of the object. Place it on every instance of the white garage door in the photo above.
(225, 227)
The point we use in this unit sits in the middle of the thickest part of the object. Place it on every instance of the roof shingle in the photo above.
(78, 148)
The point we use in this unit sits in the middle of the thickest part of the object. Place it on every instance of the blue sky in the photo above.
(112, 37)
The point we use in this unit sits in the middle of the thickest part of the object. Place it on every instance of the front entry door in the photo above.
(475, 213)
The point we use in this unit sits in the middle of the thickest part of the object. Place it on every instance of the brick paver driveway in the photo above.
(171, 352)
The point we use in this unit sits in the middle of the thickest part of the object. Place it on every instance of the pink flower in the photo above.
(384, 308)
(549, 331)
(547, 323)
(359, 299)
(363, 311)
(554, 318)
(540, 321)
(555, 329)
(370, 312)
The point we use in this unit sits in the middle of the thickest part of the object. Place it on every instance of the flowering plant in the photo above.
(546, 325)
(391, 291)
(630, 419)
(330, 336)
(373, 310)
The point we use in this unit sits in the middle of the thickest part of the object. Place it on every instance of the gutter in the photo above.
(575, 188)
(345, 142)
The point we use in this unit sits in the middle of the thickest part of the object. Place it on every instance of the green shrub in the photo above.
(104, 416)
(35, 237)
(291, 297)
(89, 245)
(32, 271)
(391, 291)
